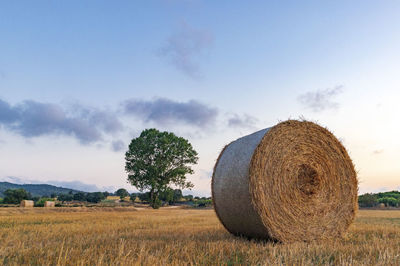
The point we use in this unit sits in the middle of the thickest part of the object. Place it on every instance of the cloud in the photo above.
(7, 113)
(320, 100)
(117, 145)
(244, 121)
(168, 112)
(106, 121)
(183, 49)
(33, 119)
(376, 152)
(15, 180)
(77, 185)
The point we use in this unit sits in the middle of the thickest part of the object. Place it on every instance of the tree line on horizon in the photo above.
(168, 196)
(15, 196)
(389, 199)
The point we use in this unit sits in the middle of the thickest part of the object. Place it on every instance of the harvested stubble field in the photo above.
(125, 236)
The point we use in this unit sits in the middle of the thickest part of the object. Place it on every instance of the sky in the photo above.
(80, 79)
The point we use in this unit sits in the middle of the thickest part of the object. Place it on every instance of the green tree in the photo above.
(390, 194)
(389, 201)
(167, 195)
(65, 197)
(188, 197)
(14, 196)
(133, 197)
(80, 196)
(144, 197)
(177, 195)
(122, 193)
(95, 197)
(204, 202)
(156, 160)
(367, 200)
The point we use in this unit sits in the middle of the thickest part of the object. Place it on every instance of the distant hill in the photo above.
(36, 190)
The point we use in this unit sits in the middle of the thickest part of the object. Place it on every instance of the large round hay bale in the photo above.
(292, 182)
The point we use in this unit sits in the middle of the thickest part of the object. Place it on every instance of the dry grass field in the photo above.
(125, 236)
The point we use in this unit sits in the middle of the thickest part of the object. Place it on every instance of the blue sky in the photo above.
(79, 79)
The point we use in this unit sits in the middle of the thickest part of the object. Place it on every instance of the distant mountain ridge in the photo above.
(36, 190)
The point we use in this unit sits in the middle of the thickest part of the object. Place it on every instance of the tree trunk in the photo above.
(153, 199)
(151, 195)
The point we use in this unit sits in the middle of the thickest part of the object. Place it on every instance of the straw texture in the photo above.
(26, 203)
(292, 182)
(49, 204)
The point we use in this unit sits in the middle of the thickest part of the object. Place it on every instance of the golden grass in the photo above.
(87, 236)
(113, 198)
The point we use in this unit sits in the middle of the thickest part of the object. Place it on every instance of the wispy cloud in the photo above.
(33, 119)
(183, 49)
(242, 121)
(168, 112)
(376, 152)
(320, 100)
(78, 185)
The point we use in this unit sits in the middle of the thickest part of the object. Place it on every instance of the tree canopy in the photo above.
(122, 193)
(14, 196)
(157, 160)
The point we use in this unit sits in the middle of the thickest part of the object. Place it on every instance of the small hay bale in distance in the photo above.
(49, 204)
(291, 182)
(26, 203)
